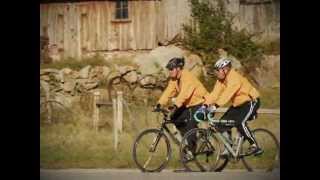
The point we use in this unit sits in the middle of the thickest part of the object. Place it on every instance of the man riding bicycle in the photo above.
(189, 94)
(232, 86)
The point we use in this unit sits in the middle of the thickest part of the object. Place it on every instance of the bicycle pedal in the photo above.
(259, 153)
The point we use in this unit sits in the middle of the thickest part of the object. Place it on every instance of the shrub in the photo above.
(212, 30)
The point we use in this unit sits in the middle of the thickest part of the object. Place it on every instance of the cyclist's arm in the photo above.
(187, 89)
(213, 96)
(233, 85)
(168, 93)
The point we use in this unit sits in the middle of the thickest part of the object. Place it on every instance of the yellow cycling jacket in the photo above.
(188, 91)
(235, 87)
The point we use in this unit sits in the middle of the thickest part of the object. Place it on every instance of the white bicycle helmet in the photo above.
(222, 63)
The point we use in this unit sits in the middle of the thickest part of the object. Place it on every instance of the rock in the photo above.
(59, 77)
(124, 69)
(66, 71)
(45, 78)
(148, 80)
(155, 61)
(84, 72)
(96, 73)
(194, 64)
(74, 75)
(146, 64)
(80, 83)
(45, 86)
(69, 85)
(90, 85)
(131, 77)
(48, 71)
(113, 74)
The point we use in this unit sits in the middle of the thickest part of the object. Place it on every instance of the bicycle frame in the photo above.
(165, 128)
(240, 138)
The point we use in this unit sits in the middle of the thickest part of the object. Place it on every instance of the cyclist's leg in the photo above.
(189, 124)
(226, 131)
(229, 114)
(243, 114)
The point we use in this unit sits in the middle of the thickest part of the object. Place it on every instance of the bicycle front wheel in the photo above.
(269, 159)
(200, 151)
(151, 150)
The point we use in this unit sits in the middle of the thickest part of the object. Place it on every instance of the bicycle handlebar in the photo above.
(165, 112)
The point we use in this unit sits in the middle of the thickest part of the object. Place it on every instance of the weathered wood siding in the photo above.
(80, 27)
(77, 28)
(257, 16)
(173, 14)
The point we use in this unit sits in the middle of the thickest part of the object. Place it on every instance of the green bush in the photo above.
(212, 30)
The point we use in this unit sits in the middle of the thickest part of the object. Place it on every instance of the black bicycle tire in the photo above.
(245, 163)
(169, 150)
(217, 169)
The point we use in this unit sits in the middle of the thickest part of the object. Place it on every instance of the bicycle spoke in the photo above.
(206, 156)
(147, 162)
(151, 151)
(269, 159)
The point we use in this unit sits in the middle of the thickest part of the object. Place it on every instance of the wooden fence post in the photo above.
(146, 119)
(96, 110)
(120, 110)
(49, 108)
(115, 124)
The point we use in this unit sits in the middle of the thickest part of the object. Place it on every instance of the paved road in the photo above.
(130, 174)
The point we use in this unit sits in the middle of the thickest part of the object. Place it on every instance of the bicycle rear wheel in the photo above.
(269, 159)
(151, 150)
(204, 154)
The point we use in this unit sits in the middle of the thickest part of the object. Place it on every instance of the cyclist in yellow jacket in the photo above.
(189, 94)
(232, 86)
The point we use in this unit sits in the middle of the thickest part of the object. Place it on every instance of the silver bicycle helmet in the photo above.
(222, 63)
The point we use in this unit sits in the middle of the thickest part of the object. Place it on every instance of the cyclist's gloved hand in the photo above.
(211, 111)
(172, 110)
(157, 108)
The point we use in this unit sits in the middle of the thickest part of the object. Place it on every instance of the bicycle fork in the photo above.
(155, 143)
(152, 149)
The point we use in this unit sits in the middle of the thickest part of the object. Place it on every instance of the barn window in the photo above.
(122, 9)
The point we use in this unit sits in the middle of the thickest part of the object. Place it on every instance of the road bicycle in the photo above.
(152, 149)
(210, 143)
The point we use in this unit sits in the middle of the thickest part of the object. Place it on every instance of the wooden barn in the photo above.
(77, 27)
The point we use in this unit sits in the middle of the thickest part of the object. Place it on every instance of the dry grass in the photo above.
(77, 145)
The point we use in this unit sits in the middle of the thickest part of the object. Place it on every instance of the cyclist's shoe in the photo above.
(255, 150)
(225, 154)
(188, 156)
